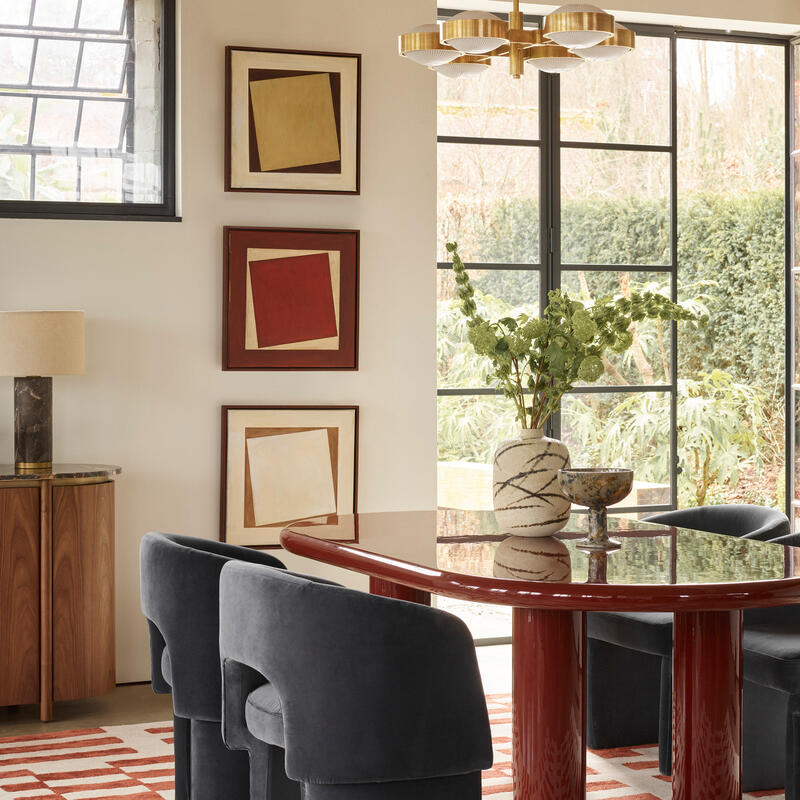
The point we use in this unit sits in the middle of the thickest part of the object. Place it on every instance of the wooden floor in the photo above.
(125, 705)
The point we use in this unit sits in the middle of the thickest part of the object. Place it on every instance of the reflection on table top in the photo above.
(464, 552)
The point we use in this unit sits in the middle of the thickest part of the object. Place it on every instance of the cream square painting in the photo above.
(284, 465)
(291, 476)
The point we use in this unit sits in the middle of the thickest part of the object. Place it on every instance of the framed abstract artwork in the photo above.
(290, 299)
(293, 121)
(285, 465)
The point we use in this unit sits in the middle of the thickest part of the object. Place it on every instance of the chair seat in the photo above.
(645, 631)
(772, 656)
(166, 666)
(264, 716)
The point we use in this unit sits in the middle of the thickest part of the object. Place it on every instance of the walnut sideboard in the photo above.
(56, 584)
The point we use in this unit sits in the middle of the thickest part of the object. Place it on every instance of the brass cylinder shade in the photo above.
(578, 26)
(423, 45)
(570, 21)
(623, 37)
(460, 28)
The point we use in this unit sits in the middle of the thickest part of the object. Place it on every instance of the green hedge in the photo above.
(730, 249)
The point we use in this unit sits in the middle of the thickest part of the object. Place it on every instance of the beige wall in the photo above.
(152, 294)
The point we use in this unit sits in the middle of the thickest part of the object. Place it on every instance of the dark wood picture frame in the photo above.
(230, 122)
(224, 465)
(236, 242)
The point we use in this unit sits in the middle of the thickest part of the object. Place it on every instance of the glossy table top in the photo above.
(462, 554)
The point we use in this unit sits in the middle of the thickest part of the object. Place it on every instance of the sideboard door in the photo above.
(83, 590)
(19, 596)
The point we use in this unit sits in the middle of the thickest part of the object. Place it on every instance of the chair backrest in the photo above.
(740, 519)
(179, 581)
(371, 689)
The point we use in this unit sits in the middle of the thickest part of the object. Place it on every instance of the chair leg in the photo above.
(792, 774)
(180, 743)
(268, 779)
(214, 771)
(765, 737)
(622, 696)
(665, 718)
(456, 787)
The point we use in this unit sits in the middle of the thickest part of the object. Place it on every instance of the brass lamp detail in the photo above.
(466, 41)
(578, 26)
(424, 45)
(464, 65)
(474, 32)
(621, 43)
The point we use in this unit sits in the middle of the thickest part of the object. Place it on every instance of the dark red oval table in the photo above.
(706, 579)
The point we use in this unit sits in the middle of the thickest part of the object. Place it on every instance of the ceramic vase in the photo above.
(528, 500)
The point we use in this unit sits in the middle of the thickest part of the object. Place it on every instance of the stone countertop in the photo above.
(59, 472)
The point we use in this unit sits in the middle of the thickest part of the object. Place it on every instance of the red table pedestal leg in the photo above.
(549, 662)
(398, 591)
(707, 706)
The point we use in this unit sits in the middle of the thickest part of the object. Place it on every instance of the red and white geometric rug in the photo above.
(134, 762)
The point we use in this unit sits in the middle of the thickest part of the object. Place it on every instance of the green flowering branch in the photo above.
(547, 356)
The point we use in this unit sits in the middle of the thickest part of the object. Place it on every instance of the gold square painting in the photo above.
(292, 121)
(284, 465)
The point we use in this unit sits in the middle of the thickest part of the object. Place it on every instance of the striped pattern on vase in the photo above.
(528, 500)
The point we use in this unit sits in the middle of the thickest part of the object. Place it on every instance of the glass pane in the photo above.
(730, 116)
(796, 280)
(101, 180)
(101, 14)
(624, 100)
(499, 293)
(796, 165)
(102, 65)
(614, 207)
(489, 202)
(15, 119)
(622, 430)
(56, 62)
(101, 124)
(55, 122)
(56, 178)
(796, 405)
(491, 104)
(731, 255)
(15, 176)
(15, 12)
(55, 13)
(648, 360)
(470, 430)
(15, 60)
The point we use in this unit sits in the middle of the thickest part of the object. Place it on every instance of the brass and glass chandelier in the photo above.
(466, 43)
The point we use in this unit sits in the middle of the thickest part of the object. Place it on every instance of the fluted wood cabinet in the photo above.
(56, 585)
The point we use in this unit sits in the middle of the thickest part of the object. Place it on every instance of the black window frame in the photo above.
(550, 267)
(166, 210)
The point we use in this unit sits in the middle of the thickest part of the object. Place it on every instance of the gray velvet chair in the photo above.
(369, 697)
(629, 659)
(180, 599)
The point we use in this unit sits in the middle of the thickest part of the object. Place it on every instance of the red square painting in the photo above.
(290, 299)
(293, 299)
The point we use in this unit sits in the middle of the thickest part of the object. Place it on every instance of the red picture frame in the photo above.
(290, 299)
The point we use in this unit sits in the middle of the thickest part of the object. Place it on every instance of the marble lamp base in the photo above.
(33, 423)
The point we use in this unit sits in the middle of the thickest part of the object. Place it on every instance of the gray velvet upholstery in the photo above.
(180, 598)
(627, 645)
(379, 698)
(742, 520)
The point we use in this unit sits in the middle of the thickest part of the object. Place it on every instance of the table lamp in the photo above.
(34, 346)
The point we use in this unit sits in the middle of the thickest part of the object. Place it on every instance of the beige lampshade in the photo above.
(42, 343)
